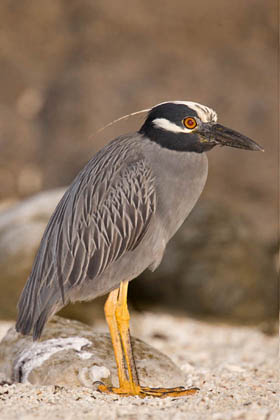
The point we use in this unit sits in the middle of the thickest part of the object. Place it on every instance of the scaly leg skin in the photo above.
(117, 317)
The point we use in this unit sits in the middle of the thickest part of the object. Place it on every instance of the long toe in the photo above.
(143, 392)
(167, 392)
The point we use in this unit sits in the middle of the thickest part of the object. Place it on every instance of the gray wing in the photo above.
(104, 214)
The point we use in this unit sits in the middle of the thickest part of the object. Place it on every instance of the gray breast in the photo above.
(180, 178)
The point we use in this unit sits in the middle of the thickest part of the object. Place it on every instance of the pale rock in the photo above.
(71, 353)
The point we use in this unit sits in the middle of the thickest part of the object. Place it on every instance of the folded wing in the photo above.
(104, 214)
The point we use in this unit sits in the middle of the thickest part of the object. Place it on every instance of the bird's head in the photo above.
(189, 126)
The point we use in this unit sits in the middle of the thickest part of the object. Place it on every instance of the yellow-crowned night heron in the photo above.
(115, 220)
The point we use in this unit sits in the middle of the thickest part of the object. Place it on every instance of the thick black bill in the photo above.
(217, 134)
(227, 137)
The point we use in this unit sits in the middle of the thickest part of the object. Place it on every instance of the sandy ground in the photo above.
(236, 369)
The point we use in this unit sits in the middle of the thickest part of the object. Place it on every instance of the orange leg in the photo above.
(123, 317)
(110, 315)
(117, 317)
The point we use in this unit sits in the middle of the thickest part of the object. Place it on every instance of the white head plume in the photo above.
(123, 118)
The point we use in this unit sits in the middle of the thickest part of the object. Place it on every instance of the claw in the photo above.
(97, 384)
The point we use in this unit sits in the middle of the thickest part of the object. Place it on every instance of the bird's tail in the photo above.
(26, 309)
(34, 308)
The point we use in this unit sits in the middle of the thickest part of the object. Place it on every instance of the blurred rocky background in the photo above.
(67, 68)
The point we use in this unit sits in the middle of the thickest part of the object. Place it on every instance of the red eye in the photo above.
(190, 123)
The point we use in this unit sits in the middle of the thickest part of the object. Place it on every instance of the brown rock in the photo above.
(215, 266)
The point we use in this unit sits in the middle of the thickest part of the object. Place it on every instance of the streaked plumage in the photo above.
(103, 215)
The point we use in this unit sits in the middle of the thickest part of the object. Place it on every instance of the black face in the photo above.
(176, 126)
(180, 141)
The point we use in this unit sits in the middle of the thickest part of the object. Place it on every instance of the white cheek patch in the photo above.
(169, 126)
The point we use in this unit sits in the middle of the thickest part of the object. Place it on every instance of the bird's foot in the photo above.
(142, 392)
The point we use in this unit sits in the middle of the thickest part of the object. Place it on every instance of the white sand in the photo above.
(236, 369)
